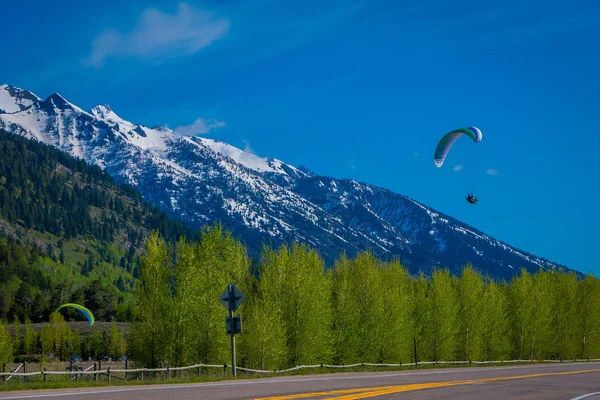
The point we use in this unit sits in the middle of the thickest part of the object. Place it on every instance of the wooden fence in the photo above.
(95, 371)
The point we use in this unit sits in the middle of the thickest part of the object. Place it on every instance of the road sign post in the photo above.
(231, 298)
(233, 372)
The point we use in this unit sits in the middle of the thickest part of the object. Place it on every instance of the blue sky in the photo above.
(356, 89)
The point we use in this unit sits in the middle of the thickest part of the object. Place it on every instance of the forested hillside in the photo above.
(68, 233)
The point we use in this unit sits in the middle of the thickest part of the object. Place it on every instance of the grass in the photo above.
(207, 375)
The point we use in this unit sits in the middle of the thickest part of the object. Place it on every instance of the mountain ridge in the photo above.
(200, 180)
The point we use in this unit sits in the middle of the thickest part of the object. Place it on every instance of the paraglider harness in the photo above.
(471, 199)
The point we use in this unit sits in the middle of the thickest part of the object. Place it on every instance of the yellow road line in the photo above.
(316, 394)
(395, 389)
(363, 393)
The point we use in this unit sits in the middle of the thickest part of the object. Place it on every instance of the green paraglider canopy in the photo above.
(88, 314)
(446, 142)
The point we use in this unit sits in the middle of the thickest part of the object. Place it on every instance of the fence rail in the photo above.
(110, 372)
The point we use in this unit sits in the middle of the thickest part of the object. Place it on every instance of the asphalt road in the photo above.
(540, 381)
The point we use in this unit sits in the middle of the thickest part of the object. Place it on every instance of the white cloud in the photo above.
(200, 127)
(492, 171)
(247, 147)
(458, 168)
(157, 34)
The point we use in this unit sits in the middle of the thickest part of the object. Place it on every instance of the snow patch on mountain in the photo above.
(106, 113)
(13, 99)
(249, 160)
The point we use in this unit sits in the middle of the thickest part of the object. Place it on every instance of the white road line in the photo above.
(586, 395)
(267, 381)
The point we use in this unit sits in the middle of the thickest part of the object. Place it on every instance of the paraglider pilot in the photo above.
(471, 199)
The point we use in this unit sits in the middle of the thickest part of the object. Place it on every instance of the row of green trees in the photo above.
(362, 310)
(56, 340)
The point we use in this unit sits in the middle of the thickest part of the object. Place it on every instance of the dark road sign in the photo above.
(237, 325)
(232, 297)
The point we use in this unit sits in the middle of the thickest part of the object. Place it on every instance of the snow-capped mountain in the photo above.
(200, 180)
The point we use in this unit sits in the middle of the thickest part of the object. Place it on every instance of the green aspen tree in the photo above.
(61, 334)
(117, 345)
(522, 309)
(420, 319)
(183, 302)
(588, 318)
(30, 339)
(367, 295)
(346, 317)
(564, 294)
(306, 305)
(263, 344)
(469, 290)
(46, 341)
(443, 307)
(16, 341)
(6, 346)
(74, 344)
(542, 336)
(495, 323)
(98, 344)
(151, 335)
(221, 260)
(54, 336)
(358, 310)
(398, 304)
